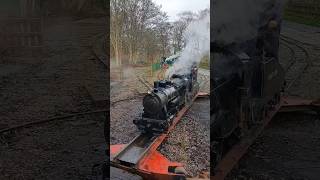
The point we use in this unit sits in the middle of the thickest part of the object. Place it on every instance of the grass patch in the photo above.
(302, 18)
(204, 63)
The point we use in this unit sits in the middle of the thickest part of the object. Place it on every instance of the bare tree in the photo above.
(140, 31)
(131, 21)
(163, 30)
(179, 27)
(117, 18)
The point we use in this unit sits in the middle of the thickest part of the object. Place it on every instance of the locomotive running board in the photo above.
(287, 104)
(141, 157)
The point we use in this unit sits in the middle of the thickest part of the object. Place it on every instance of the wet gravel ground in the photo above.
(65, 150)
(52, 86)
(289, 147)
(122, 129)
(189, 143)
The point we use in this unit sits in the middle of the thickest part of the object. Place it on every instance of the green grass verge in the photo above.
(204, 63)
(302, 18)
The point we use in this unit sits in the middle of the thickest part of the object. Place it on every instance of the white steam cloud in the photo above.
(239, 20)
(197, 36)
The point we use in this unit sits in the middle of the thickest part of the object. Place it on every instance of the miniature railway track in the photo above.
(301, 42)
(34, 123)
(145, 82)
(138, 155)
(300, 60)
(67, 116)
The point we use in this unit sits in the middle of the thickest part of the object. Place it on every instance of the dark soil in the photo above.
(56, 84)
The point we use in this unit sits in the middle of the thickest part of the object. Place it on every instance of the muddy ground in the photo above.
(66, 80)
(289, 148)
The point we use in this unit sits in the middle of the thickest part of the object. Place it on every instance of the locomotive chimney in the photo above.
(156, 84)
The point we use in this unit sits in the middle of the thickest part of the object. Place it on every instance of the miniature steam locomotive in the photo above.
(246, 82)
(167, 98)
(244, 87)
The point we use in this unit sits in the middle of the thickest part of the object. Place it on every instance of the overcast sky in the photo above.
(174, 7)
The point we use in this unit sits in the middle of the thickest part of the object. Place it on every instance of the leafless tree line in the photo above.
(309, 8)
(61, 7)
(141, 32)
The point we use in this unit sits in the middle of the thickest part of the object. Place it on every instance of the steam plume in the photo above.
(197, 36)
(238, 21)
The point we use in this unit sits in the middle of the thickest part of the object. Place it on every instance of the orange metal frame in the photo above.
(153, 165)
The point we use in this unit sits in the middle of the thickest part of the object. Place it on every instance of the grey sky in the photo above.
(173, 7)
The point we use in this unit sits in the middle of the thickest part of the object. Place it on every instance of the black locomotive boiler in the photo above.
(167, 98)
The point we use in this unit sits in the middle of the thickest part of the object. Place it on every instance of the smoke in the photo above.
(225, 66)
(197, 37)
(235, 22)
(238, 21)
